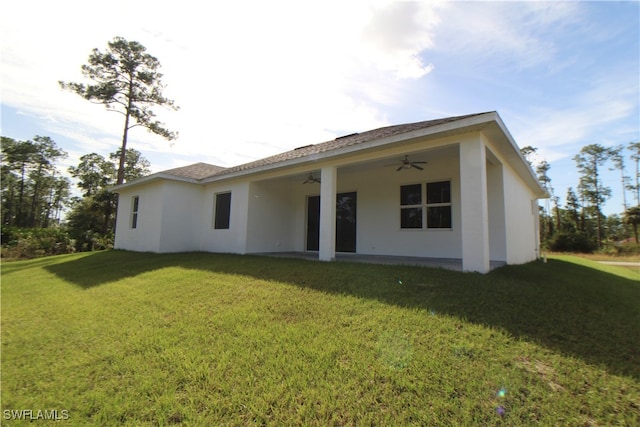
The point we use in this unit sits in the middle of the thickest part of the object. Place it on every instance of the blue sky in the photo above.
(257, 78)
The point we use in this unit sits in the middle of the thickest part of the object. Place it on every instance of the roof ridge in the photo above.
(198, 171)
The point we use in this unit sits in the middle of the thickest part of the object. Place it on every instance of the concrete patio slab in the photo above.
(446, 263)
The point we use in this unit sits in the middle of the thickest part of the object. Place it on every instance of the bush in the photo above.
(625, 249)
(86, 241)
(34, 242)
(571, 242)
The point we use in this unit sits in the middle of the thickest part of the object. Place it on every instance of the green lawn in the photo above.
(119, 338)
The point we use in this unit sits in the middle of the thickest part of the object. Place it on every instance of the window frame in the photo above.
(406, 207)
(135, 209)
(425, 207)
(218, 222)
(438, 205)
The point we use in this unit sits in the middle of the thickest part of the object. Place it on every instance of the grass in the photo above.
(629, 262)
(631, 259)
(119, 338)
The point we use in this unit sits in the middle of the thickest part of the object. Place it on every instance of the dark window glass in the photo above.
(438, 192)
(313, 223)
(411, 194)
(134, 212)
(346, 222)
(223, 211)
(411, 218)
(439, 217)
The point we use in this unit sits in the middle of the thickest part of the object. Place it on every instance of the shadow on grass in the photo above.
(580, 311)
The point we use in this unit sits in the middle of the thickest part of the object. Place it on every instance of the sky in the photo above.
(256, 78)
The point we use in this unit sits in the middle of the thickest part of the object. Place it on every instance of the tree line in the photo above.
(580, 224)
(125, 79)
(35, 194)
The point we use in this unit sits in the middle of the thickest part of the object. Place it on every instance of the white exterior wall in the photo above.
(520, 220)
(270, 217)
(522, 241)
(167, 214)
(181, 212)
(233, 239)
(146, 236)
(378, 211)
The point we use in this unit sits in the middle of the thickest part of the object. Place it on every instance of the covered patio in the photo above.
(473, 237)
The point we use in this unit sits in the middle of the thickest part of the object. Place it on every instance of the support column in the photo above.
(473, 206)
(328, 187)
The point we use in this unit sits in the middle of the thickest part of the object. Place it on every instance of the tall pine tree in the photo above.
(589, 161)
(126, 80)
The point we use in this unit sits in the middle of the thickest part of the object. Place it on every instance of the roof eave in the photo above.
(523, 167)
(477, 122)
(152, 178)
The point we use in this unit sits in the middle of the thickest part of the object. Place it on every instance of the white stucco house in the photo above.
(454, 188)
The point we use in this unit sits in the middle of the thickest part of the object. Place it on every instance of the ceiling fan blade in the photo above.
(400, 168)
(420, 163)
(312, 179)
(417, 167)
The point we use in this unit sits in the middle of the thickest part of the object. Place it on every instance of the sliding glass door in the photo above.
(345, 222)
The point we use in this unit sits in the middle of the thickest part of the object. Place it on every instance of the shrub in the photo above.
(630, 248)
(571, 242)
(34, 242)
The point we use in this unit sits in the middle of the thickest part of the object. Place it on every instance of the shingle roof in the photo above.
(195, 171)
(201, 171)
(341, 142)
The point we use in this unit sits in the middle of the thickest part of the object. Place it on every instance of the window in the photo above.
(411, 206)
(134, 211)
(439, 204)
(436, 205)
(222, 211)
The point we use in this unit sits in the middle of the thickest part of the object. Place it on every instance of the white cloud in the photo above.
(560, 131)
(517, 35)
(251, 78)
(395, 35)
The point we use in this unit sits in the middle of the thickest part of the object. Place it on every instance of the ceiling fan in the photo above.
(407, 164)
(311, 179)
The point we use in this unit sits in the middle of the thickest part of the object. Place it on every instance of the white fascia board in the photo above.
(523, 167)
(152, 178)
